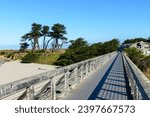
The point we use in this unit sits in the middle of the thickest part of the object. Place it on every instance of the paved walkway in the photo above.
(107, 84)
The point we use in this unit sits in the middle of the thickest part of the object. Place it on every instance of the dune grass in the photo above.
(147, 73)
(49, 58)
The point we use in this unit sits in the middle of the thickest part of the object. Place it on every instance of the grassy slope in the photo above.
(49, 58)
(147, 73)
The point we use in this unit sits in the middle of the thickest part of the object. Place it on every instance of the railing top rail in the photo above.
(141, 80)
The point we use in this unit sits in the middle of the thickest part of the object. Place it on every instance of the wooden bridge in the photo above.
(108, 77)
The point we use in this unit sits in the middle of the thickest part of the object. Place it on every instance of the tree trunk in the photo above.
(36, 44)
(32, 44)
(61, 45)
(47, 44)
(44, 43)
(53, 47)
(57, 44)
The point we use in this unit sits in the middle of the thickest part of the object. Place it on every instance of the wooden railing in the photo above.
(53, 84)
(138, 82)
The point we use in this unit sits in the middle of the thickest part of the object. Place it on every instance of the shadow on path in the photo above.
(112, 86)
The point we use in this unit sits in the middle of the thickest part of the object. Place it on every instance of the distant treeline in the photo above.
(137, 56)
(136, 40)
(80, 50)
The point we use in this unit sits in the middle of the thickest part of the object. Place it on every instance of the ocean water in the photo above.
(9, 47)
(17, 47)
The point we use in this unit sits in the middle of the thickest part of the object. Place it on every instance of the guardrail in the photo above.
(138, 82)
(53, 84)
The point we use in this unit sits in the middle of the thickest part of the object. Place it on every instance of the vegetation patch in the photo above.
(147, 73)
(142, 62)
(80, 50)
(42, 57)
(49, 58)
(31, 57)
(12, 54)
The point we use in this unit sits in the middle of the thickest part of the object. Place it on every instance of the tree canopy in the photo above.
(135, 40)
(58, 32)
(37, 30)
(78, 43)
(80, 50)
(136, 55)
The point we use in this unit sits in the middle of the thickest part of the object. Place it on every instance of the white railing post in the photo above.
(95, 64)
(99, 63)
(66, 82)
(53, 89)
(30, 93)
(137, 93)
(77, 75)
(81, 72)
(86, 70)
(91, 67)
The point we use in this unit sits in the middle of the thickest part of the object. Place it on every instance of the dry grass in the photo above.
(12, 54)
(147, 73)
(47, 57)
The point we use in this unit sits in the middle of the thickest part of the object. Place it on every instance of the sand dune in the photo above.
(14, 70)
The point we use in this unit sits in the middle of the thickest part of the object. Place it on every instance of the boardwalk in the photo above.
(113, 84)
(109, 83)
(108, 77)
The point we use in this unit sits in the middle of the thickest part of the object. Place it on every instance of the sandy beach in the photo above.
(14, 70)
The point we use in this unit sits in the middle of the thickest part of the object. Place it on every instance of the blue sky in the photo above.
(94, 20)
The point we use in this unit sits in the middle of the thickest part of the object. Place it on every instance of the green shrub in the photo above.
(73, 56)
(64, 62)
(143, 65)
(2, 53)
(135, 55)
(143, 62)
(10, 55)
(49, 58)
(39, 51)
(31, 57)
(147, 59)
(80, 50)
